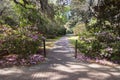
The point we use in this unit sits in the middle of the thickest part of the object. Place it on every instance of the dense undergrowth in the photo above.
(99, 33)
(97, 44)
(23, 23)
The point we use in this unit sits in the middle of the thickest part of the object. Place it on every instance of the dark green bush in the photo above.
(61, 31)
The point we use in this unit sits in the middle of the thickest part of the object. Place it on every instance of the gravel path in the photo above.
(61, 65)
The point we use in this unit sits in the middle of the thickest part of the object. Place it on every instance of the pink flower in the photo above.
(109, 49)
(34, 37)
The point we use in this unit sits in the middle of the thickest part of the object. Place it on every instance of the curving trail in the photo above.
(61, 65)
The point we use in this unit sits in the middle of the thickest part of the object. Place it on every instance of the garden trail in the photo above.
(61, 65)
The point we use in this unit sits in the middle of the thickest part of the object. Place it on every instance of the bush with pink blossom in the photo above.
(20, 41)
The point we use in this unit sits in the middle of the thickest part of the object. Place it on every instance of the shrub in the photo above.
(21, 41)
(61, 31)
(100, 42)
(79, 28)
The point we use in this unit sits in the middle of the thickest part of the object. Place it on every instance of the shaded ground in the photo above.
(61, 65)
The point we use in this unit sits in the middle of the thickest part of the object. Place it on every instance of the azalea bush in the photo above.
(100, 42)
(21, 41)
(96, 47)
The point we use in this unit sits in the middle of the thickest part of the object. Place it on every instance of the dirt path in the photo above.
(61, 65)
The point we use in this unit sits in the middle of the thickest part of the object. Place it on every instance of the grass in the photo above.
(50, 42)
(72, 39)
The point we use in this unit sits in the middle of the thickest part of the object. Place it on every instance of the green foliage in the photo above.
(20, 41)
(23, 20)
(86, 43)
(9, 21)
(104, 38)
(66, 8)
(69, 31)
(83, 47)
(79, 28)
(55, 30)
(61, 31)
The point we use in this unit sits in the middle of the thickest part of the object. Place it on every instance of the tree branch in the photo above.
(1, 12)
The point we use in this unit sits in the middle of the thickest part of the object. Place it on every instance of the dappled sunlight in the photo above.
(61, 65)
(50, 75)
(115, 73)
(39, 75)
(63, 68)
(84, 79)
(49, 44)
(73, 37)
(10, 71)
(118, 67)
(98, 75)
(58, 46)
(59, 77)
(95, 66)
(74, 66)
(59, 39)
(61, 51)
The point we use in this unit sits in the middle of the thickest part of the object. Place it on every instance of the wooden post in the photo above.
(44, 47)
(76, 49)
